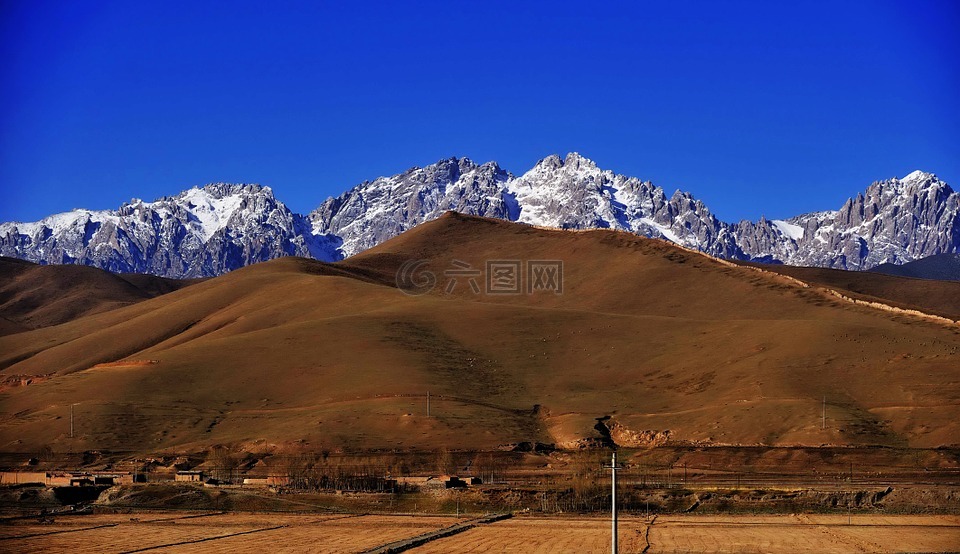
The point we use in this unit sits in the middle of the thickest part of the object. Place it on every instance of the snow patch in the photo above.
(213, 214)
(917, 176)
(795, 232)
(664, 230)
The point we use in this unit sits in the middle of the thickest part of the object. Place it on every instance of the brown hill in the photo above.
(34, 296)
(672, 344)
(934, 297)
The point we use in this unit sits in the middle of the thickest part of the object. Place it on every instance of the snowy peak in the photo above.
(223, 190)
(444, 171)
(573, 163)
(919, 176)
(917, 182)
(213, 206)
(375, 211)
(57, 223)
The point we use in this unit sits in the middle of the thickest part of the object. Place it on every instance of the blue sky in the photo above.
(772, 108)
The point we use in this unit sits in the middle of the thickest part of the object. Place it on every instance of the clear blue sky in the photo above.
(767, 107)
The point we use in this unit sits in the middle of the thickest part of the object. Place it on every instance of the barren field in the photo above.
(782, 533)
(542, 535)
(214, 533)
(805, 533)
(237, 533)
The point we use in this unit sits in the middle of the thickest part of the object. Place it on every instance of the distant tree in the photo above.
(45, 453)
(298, 471)
(484, 467)
(444, 461)
(222, 463)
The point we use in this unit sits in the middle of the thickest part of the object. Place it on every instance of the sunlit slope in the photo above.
(299, 352)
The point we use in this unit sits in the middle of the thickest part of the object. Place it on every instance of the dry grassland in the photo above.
(228, 533)
(781, 533)
(238, 533)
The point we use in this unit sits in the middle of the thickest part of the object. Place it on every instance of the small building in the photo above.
(60, 479)
(454, 482)
(268, 481)
(23, 477)
(189, 476)
(112, 478)
(66, 478)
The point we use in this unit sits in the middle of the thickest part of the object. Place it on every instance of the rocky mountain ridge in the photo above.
(210, 230)
(197, 233)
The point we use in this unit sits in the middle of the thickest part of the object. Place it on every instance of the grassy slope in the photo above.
(34, 296)
(332, 355)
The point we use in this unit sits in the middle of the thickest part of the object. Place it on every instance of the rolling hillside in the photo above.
(672, 344)
(33, 296)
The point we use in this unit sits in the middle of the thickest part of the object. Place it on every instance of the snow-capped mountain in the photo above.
(893, 221)
(220, 227)
(571, 193)
(375, 211)
(200, 232)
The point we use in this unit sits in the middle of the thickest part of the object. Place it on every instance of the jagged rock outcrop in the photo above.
(893, 221)
(377, 210)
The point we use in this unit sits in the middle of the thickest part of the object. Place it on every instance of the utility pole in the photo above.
(613, 502)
